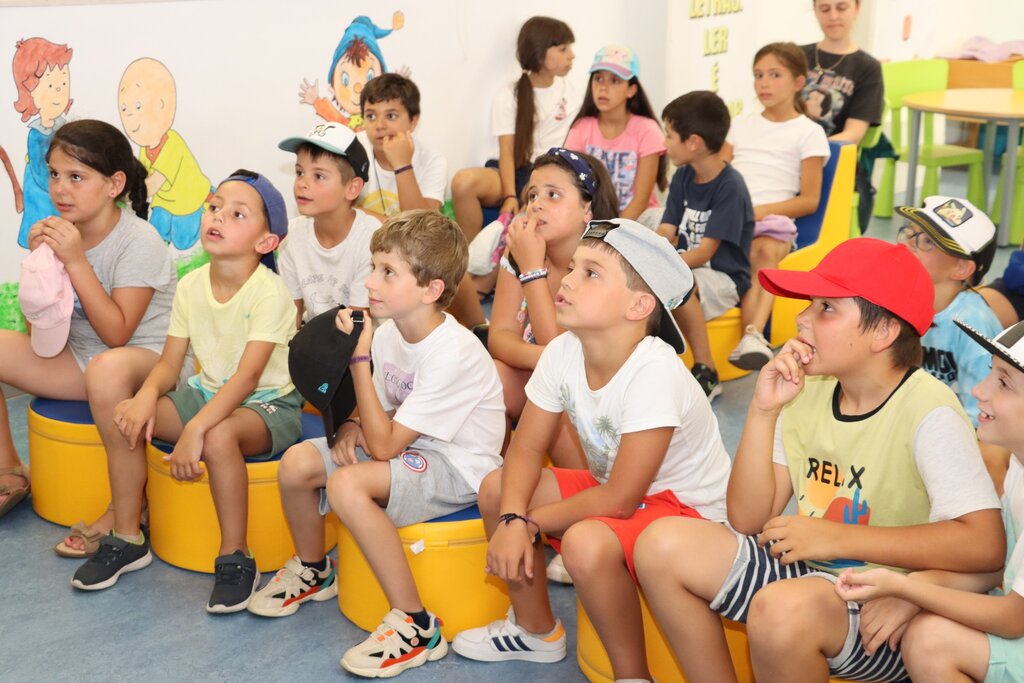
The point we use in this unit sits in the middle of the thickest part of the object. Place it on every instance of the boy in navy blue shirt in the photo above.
(710, 213)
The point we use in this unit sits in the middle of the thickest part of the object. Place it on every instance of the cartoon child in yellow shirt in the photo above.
(146, 100)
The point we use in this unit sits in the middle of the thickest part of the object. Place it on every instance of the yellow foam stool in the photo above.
(68, 462)
(593, 660)
(447, 556)
(594, 663)
(183, 521)
(724, 333)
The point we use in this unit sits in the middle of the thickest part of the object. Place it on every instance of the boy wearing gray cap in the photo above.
(651, 440)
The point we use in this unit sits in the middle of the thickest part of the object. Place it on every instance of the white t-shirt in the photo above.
(768, 154)
(555, 108)
(652, 389)
(446, 388)
(947, 458)
(1013, 515)
(324, 278)
(380, 192)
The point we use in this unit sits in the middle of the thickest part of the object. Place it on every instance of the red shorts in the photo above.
(662, 504)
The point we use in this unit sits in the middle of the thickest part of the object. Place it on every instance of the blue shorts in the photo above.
(522, 177)
(755, 567)
(1005, 661)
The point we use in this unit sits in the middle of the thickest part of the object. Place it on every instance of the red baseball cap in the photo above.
(885, 274)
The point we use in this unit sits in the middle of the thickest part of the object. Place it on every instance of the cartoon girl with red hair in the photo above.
(41, 75)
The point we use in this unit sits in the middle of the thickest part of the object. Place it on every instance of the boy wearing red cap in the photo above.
(882, 463)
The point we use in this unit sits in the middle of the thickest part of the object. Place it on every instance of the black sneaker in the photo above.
(708, 380)
(235, 581)
(114, 557)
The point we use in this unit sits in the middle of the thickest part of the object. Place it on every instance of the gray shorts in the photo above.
(717, 291)
(424, 485)
(755, 567)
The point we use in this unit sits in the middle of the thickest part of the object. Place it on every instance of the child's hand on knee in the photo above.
(510, 553)
(349, 437)
(883, 621)
(184, 459)
(134, 417)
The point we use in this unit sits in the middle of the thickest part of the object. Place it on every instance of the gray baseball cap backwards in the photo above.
(656, 262)
(336, 139)
(957, 227)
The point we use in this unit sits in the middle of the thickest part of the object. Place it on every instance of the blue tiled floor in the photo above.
(153, 625)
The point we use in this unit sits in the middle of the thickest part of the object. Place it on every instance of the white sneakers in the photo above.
(752, 352)
(504, 640)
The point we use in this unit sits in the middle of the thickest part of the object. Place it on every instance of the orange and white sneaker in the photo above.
(396, 645)
(505, 639)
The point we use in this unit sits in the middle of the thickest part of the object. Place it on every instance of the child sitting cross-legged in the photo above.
(651, 441)
(884, 469)
(430, 425)
(961, 635)
(238, 316)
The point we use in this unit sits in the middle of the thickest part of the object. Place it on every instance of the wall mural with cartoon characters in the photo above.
(199, 99)
(147, 100)
(357, 60)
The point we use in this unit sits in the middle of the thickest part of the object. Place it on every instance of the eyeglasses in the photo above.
(915, 239)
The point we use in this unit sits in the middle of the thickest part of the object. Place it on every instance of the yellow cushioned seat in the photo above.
(68, 462)
(447, 556)
(183, 522)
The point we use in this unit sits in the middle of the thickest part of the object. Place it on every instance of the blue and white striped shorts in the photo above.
(755, 567)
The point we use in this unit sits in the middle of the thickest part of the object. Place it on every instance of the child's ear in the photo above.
(588, 212)
(267, 243)
(117, 183)
(643, 305)
(353, 188)
(632, 91)
(801, 81)
(413, 120)
(964, 270)
(434, 290)
(885, 334)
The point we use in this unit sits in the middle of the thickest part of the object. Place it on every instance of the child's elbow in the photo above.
(744, 524)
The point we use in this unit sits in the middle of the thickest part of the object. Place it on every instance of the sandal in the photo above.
(90, 538)
(13, 494)
(90, 542)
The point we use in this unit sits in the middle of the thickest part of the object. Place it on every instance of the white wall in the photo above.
(238, 63)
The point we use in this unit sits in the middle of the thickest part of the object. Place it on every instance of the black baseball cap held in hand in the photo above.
(318, 358)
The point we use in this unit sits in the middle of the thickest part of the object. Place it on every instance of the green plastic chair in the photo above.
(1017, 214)
(907, 78)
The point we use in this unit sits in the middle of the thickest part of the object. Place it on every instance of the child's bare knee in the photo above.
(925, 644)
(301, 466)
(588, 548)
(220, 444)
(464, 183)
(490, 494)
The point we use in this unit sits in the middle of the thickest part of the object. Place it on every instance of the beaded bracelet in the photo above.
(358, 359)
(403, 169)
(510, 517)
(531, 275)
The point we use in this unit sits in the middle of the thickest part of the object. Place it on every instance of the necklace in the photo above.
(817, 60)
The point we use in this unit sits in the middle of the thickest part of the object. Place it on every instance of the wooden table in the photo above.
(991, 105)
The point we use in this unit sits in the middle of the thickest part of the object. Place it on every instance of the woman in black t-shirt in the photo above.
(844, 84)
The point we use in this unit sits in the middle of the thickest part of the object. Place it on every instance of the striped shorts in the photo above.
(755, 567)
